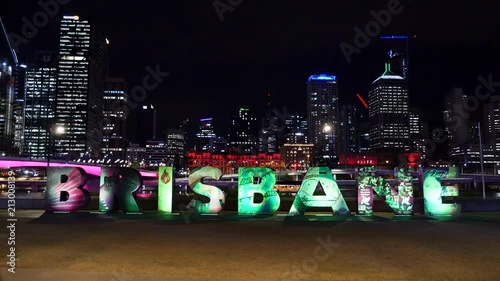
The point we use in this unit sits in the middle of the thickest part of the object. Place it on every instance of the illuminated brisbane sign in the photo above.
(67, 192)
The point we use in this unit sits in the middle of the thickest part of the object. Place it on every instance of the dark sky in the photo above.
(267, 46)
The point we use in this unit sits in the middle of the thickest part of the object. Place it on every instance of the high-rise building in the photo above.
(243, 131)
(349, 130)
(6, 109)
(115, 114)
(220, 145)
(296, 129)
(156, 153)
(417, 130)
(389, 113)
(146, 124)
(463, 138)
(456, 126)
(364, 131)
(41, 90)
(12, 98)
(82, 72)
(19, 106)
(323, 116)
(492, 125)
(205, 136)
(175, 148)
(136, 154)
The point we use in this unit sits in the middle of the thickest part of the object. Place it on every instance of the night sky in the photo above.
(272, 47)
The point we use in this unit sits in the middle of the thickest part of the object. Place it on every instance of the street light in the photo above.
(56, 130)
(327, 128)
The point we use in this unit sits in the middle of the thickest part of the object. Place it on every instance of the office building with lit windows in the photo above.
(349, 129)
(205, 136)
(81, 78)
(6, 108)
(297, 156)
(12, 99)
(115, 115)
(136, 154)
(417, 130)
(41, 90)
(296, 129)
(323, 117)
(389, 113)
(156, 153)
(176, 148)
(243, 132)
(492, 125)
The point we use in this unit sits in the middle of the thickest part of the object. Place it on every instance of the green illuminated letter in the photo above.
(213, 199)
(257, 180)
(434, 192)
(165, 189)
(319, 177)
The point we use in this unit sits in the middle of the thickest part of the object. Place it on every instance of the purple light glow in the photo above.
(91, 170)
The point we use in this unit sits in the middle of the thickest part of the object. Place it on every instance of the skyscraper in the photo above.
(492, 125)
(323, 116)
(349, 129)
(296, 130)
(175, 148)
(389, 113)
(19, 106)
(115, 114)
(243, 131)
(12, 97)
(82, 72)
(146, 124)
(156, 153)
(41, 90)
(417, 130)
(6, 108)
(456, 127)
(205, 136)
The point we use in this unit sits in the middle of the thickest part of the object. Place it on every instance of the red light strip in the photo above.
(362, 100)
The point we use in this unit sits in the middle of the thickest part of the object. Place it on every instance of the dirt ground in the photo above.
(106, 248)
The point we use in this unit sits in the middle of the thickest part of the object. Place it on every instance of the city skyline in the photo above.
(334, 116)
(444, 46)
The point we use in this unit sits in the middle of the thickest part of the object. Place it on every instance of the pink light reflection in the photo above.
(91, 170)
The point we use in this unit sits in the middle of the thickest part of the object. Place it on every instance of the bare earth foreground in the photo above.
(226, 247)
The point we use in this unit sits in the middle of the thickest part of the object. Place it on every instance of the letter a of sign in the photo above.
(319, 177)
